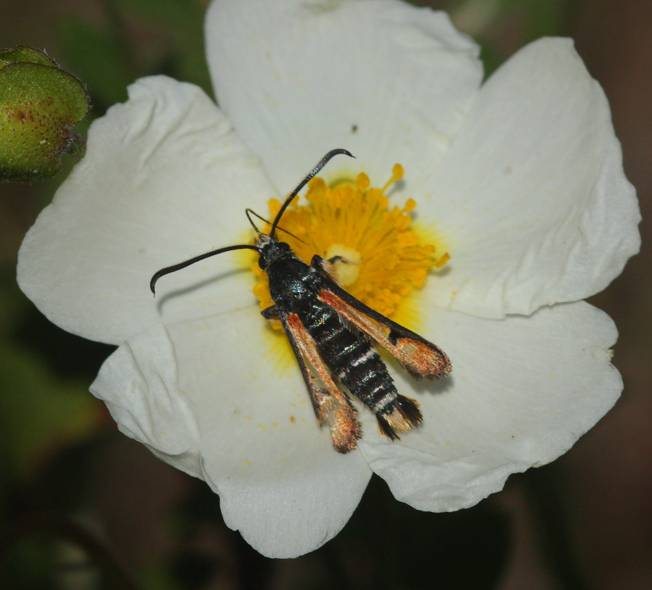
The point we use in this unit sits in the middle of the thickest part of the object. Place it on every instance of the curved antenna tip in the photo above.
(333, 153)
(181, 265)
(329, 156)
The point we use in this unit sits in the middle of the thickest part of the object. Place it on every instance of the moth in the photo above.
(332, 334)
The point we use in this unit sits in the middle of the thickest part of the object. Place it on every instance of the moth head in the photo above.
(271, 250)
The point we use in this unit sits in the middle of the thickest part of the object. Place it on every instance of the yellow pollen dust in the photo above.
(377, 254)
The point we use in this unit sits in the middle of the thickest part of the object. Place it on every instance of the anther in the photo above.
(397, 174)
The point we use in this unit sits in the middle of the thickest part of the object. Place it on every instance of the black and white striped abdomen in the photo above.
(350, 358)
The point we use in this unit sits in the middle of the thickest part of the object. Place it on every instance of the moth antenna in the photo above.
(305, 181)
(175, 267)
(270, 223)
(248, 212)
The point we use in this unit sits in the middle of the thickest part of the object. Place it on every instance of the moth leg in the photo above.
(328, 265)
(337, 268)
(334, 259)
(331, 405)
(271, 313)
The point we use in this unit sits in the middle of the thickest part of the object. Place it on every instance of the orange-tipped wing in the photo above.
(331, 405)
(420, 357)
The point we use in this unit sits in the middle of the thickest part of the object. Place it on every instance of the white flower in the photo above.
(522, 177)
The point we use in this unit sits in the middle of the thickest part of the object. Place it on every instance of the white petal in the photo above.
(522, 391)
(532, 197)
(387, 80)
(138, 385)
(164, 178)
(280, 481)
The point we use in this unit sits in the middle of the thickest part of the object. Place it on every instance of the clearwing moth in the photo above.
(331, 333)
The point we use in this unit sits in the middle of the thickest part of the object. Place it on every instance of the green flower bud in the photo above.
(39, 106)
(26, 55)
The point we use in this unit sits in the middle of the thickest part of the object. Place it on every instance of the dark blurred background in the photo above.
(82, 507)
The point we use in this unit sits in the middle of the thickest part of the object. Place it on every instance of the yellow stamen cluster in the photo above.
(381, 258)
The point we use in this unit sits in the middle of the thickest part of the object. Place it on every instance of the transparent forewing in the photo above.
(331, 405)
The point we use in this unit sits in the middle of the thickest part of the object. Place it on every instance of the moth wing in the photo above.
(420, 357)
(331, 405)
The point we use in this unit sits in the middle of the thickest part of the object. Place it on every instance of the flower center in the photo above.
(377, 253)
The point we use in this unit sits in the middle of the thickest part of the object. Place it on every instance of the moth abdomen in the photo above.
(359, 369)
